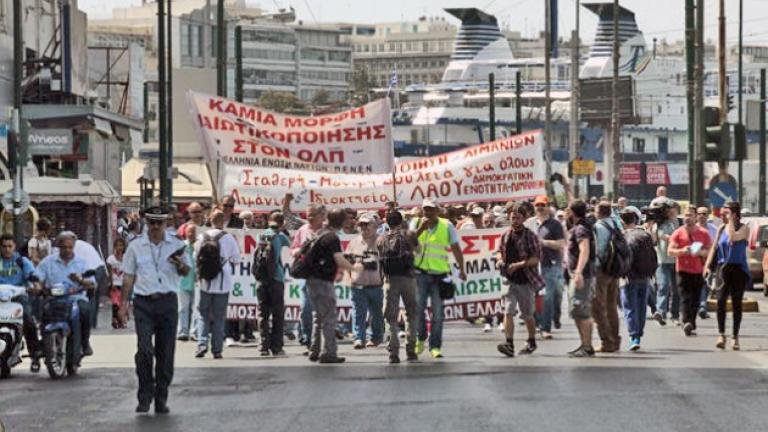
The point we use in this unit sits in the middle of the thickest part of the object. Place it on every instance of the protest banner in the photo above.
(507, 169)
(355, 141)
(478, 296)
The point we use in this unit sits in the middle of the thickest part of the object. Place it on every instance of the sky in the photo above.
(656, 18)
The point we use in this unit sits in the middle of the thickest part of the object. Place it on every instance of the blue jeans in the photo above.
(213, 318)
(703, 298)
(634, 302)
(427, 288)
(666, 277)
(305, 327)
(364, 300)
(553, 291)
(186, 311)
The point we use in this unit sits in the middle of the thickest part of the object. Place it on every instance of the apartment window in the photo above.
(200, 41)
(185, 48)
(638, 145)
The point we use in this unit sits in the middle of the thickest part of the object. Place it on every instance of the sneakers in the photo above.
(372, 344)
(419, 347)
(487, 328)
(313, 356)
(201, 351)
(331, 359)
(634, 344)
(182, 338)
(546, 335)
(218, 356)
(394, 359)
(264, 353)
(703, 314)
(659, 318)
(401, 334)
(501, 327)
(507, 349)
(582, 352)
(688, 329)
(530, 347)
(228, 342)
(358, 345)
(436, 353)
(676, 322)
(558, 325)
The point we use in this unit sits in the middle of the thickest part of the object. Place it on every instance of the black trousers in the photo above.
(735, 283)
(271, 298)
(155, 316)
(689, 286)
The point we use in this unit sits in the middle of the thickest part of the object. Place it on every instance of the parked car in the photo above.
(756, 256)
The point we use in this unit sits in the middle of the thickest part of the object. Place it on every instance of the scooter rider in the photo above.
(66, 267)
(15, 270)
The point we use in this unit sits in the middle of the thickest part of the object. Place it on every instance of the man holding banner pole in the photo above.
(436, 236)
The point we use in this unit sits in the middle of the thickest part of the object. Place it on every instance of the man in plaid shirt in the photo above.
(518, 261)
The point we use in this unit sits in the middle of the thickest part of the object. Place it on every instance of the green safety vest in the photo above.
(432, 256)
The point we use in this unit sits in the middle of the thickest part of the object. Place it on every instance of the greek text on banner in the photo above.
(508, 169)
(354, 141)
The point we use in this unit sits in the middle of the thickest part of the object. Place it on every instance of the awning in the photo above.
(193, 182)
(56, 189)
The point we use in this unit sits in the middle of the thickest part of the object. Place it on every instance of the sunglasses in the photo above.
(155, 222)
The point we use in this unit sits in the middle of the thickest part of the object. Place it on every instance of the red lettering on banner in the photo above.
(291, 122)
(379, 132)
(349, 134)
(247, 180)
(338, 153)
(333, 135)
(250, 244)
(242, 111)
(239, 146)
(357, 112)
(470, 249)
(363, 133)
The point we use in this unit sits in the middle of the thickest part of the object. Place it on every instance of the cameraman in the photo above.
(367, 284)
(664, 214)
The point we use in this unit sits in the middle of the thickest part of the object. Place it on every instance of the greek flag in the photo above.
(392, 82)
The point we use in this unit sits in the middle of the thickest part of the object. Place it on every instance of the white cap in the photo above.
(428, 203)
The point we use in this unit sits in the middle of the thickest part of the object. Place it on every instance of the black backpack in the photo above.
(305, 265)
(209, 262)
(264, 263)
(395, 253)
(617, 260)
(644, 258)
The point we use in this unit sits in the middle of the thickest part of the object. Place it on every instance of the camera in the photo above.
(370, 261)
(656, 213)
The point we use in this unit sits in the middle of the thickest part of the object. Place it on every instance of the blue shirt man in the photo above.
(15, 270)
(54, 270)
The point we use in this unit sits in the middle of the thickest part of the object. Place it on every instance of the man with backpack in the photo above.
(396, 255)
(612, 264)
(690, 244)
(634, 294)
(268, 271)
(319, 261)
(217, 253)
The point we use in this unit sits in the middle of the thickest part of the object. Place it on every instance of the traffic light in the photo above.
(717, 139)
(739, 141)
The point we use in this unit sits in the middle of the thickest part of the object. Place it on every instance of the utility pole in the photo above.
(492, 106)
(690, 61)
(16, 138)
(239, 64)
(162, 117)
(547, 83)
(740, 94)
(575, 136)
(615, 135)
(518, 104)
(722, 72)
(169, 111)
(221, 50)
(761, 187)
(697, 182)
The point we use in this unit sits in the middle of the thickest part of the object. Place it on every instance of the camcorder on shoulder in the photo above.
(656, 213)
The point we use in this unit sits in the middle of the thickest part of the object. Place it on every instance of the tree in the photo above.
(362, 84)
(321, 98)
(282, 102)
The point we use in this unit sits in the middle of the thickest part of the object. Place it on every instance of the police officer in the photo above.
(153, 267)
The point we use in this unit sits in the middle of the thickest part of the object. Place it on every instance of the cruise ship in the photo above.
(654, 146)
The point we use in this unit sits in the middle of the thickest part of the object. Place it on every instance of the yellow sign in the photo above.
(583, 167)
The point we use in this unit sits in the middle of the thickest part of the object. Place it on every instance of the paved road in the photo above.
(674, 384)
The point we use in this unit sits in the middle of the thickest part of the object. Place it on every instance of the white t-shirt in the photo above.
(117, 270)
(230, 254)
(43, 247)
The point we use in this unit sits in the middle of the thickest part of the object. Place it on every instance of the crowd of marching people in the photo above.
(605, 258)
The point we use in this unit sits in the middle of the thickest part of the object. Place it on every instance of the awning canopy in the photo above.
(56, 189)
(193, 182)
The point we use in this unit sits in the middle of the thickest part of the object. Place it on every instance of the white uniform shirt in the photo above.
(149, 263)
(230, 255)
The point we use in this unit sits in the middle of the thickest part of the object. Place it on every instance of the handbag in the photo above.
(716, 281)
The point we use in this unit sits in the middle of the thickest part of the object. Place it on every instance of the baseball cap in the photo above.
(477, 211)
(541, 199)
(428, 203)
(632, 209)
(365, 218)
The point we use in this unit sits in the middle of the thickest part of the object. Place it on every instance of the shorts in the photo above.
(580, 300)
(522, 296)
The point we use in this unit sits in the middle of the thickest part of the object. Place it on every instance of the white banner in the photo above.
(354, 141)
(508, 169)
(477, 297)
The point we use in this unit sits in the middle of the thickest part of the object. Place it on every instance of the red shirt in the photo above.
(690, 263)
